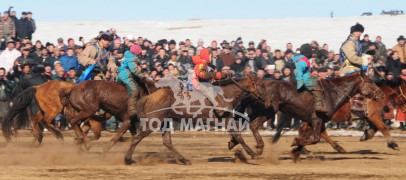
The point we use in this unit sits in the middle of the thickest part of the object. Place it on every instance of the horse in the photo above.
(337, 92)
(343, 114)
(158, 105)
(19, 119)
(47, 96)
(88, 97)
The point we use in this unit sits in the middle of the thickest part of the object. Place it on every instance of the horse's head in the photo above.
(369, 89)
(257, 90)
(400, 99)
(167, 82)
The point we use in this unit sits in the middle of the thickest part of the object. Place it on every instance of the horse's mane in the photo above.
(340, 80)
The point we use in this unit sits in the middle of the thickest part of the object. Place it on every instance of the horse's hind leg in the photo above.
(166, 137)
(377, 121)
(95, 126)
(36, 129)
(137, 139)
(333, 143)
(56, 131)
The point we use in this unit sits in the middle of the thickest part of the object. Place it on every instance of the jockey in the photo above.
(201, 70)
(126, 73)
(351, 52)
(91, 56)
(304, 78)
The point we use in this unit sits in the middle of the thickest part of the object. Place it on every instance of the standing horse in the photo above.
(158, 105)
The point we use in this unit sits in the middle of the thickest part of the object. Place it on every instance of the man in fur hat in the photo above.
(351, 52)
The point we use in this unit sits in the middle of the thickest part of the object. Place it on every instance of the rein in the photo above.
(402, 95)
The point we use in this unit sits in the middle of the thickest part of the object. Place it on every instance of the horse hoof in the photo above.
(340, 149)
(305, 151)
(295, 142)
(129, 161)
(296, 155)
(231, 144)
(393, 146)
(363, 138)
(260, 151)
(185, 161)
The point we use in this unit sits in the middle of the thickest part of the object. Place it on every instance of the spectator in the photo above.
(322, 73)
(48, 71)
(289, 59)
(5, 90)
(277, 76)
(264, 60)
(287, 74)
(161, 57)
(29, 18)
(72, 76)
(61, 45)
(365, 42)
(60, 74)
(401, 49)
(7, 28)
(289, 47)
(44, 57)
(215, 60)
(381, 48)
(171, 46)
(8, 56)
(228, 58)
(72, 45)
(184, 58)
(173, 59)
(25, 27)
(247, 71)
(253, 62)
(323, 53)
(26, 58)
(270, 72)
(260, 74)
(393, 65)
(69, 60)
(238, 67)
(279, 60)
(189, 45)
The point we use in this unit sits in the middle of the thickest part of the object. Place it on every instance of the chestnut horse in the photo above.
(158, 105)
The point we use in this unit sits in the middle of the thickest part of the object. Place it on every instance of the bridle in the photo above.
(254, 92)
(401, 95)
(377, 93)
(365, 86)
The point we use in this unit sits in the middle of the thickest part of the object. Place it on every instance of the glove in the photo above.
(365, 59)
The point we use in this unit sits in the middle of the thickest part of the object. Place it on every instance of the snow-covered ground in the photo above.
(277, 32)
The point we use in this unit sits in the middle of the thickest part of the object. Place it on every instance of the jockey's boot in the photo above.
(132, 101)
(318, 101)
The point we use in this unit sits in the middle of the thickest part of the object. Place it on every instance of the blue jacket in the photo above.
(302, 73)
(69, 62)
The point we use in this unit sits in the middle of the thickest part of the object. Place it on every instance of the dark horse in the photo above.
(88, 97)
(343, 114)
(299, 104)
(18, 95)
(158, 106)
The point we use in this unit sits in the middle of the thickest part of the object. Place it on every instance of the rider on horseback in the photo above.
(304, 78)
(126, 74)
(351, 52)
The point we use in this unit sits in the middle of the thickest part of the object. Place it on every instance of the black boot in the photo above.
(401, 126)
(318, 102)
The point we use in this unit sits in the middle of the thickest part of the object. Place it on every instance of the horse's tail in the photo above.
(279, 128)
(20, 103)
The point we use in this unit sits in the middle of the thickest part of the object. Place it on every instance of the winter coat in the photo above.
(7, 28)
(302, 73)
(228, 59)
(351, 52)
(69, 62)
(401, 51)
(25, 28)
(218, 63)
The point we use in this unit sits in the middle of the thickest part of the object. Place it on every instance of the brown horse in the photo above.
(88, 97)
(337, 92)
(374, 116)
(47, 97)
(158, 106)
(343, 114)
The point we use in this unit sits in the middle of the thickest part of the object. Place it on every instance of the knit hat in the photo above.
(135, 49)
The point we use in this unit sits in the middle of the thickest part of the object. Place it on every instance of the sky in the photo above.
(174, 10)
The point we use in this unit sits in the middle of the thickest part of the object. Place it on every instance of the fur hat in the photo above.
(357, 28)
(172, 42)
(401, 38)
(306, 50)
